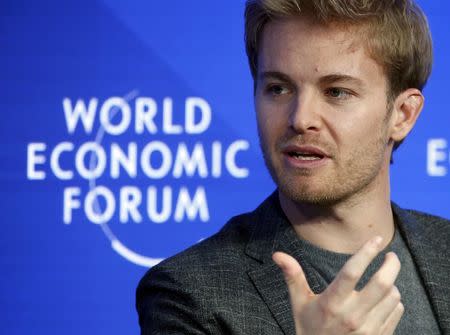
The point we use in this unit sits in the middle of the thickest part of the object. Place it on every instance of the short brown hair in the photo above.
(397, 33)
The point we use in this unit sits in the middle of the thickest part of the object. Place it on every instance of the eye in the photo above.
(338, 93)
(277, 89)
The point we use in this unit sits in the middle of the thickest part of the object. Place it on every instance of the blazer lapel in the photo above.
(427, 239)
(273, 232)
(270, 284)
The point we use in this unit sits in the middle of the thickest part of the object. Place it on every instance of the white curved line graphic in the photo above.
(132, 256)
(117, 246)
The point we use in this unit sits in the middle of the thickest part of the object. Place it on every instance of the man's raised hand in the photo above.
(340, 309)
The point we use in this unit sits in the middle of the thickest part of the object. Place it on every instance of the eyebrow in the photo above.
(274, 75)
(340, 78)
(325, 80)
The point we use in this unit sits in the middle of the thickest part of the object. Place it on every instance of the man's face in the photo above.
(322, 112)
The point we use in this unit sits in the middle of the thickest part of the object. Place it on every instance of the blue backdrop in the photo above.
(128, 134)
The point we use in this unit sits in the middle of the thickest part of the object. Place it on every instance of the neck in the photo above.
(345, 226)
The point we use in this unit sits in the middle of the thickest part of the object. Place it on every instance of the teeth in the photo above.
(308, 158)
(305, 157)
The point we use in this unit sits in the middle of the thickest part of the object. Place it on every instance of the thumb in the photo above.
(294, 276)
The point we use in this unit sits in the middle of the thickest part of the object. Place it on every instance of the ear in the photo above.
(406, 109)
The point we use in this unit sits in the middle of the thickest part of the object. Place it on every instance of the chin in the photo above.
(308, 196)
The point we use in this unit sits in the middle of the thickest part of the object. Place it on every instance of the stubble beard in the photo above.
(352, 177)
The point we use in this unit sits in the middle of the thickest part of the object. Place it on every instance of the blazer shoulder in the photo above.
(428, 219)
(426, 226)
(224, 249)
(176, 294)
(230, 240)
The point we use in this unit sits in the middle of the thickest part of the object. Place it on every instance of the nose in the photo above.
(305, 113)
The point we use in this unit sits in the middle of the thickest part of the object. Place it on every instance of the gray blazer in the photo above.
(228, 283)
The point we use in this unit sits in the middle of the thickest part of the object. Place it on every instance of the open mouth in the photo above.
(305, 156)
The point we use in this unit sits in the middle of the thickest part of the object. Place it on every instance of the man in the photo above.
(338, 86)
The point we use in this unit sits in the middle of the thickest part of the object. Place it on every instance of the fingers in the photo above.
(380, 284)
(294, 276)
(377, 307)
(383, 318)
(393, 320)
(385, 309)
(346, 280)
